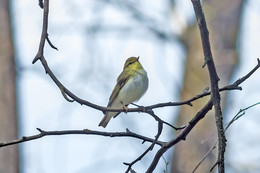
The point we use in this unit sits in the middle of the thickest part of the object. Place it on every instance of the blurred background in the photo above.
(94, 39)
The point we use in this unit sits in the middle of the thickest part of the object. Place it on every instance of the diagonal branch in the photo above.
(182, 136)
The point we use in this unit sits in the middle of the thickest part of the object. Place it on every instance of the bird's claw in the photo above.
(126, 108)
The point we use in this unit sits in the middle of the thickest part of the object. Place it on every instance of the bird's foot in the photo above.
(126, 108)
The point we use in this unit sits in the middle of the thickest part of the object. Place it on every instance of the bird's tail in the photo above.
(106, 119)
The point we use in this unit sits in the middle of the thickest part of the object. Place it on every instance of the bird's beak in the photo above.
(138, 58)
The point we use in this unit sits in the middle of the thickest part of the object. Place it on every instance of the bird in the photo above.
(131, 85)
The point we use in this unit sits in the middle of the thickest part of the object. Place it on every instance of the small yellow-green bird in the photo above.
(131, 85)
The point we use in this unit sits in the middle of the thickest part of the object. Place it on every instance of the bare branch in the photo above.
(44, 29)
(40, 3)
(50, 43)
(160, 128)
(239, 81)
(215, 95)
(80, 132)
(182, 136)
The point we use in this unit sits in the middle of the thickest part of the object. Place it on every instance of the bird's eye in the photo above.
(131, 62)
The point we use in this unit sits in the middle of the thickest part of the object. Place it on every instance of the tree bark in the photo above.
(9, 156)
(223, 19)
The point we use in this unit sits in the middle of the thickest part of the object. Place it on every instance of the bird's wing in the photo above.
(121, 81)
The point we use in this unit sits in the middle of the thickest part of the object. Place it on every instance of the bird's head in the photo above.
(132, 63)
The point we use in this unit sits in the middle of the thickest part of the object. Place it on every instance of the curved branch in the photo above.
(67, 93)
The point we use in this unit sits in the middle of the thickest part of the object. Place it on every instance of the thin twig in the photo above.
(198, 96)
(50, 43)
(166, 165)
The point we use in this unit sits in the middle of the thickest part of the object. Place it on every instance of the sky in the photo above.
(88, 63)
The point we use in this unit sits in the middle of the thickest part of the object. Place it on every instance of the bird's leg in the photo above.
(125, 107)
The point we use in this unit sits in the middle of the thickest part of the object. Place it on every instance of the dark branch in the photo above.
(80, 132)
(160, 128)
(239, 81)
(215, 95)
(50, 43)
(189, 101)
(39, 54)
(182, 136)
(40, 3)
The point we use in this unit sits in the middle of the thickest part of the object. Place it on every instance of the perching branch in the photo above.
(67, 94)
(127, 133)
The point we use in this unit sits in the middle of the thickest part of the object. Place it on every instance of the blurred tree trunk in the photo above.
(9, 156)
(223, 19)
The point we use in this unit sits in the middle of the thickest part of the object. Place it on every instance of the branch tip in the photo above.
(62, 89)
(40, 130)
(50, 43)
(40, 4)
(36, 58)
(190, 104)
(127, 164)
